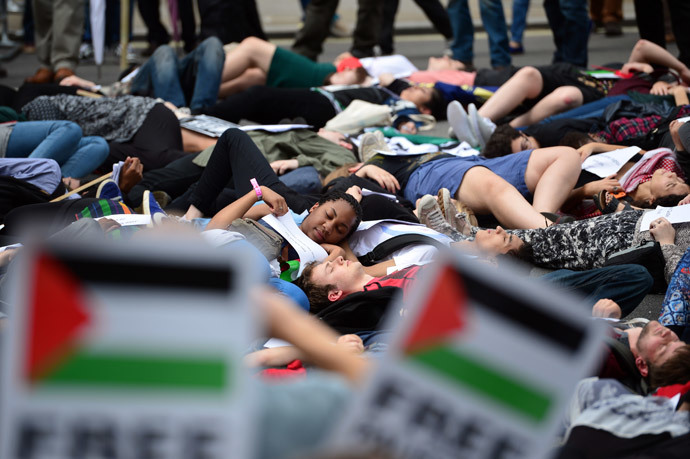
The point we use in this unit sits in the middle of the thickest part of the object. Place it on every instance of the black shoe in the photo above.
(613, 29)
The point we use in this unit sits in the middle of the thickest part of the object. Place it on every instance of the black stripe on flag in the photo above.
(550, 326)
(150, 274)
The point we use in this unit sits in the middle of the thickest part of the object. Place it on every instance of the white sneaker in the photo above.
(460, 123)
(371, 143)
(430, 215)
(483, 127)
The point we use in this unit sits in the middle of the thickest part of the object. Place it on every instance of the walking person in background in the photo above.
(517, 26)
(463, 32)
(434, 11)
(570, 24)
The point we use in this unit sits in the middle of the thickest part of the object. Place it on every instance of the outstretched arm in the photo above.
(647, 52)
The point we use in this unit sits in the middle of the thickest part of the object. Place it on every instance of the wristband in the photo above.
(257, 189)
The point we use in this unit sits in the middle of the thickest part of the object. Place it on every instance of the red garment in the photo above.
(673, 390)
(294, 369)
(401, 278)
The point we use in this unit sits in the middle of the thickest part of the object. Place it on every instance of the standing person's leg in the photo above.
(43, 22)
(156, 34)
(650, 21)
(487, 193)
(160, 75)
(463, 31)
(68, 25)
(527, 83)
(200, 73)
(366, 33)
(494, 22)
(90, 153)
(518, 25)
(390, 9)
(265, 105)
(551, 175)
(612, 12)
(186, 12)
(317, 19)
(437, 14)
(569, 22)
(680, 18)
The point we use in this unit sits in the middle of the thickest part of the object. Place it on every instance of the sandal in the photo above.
(557, 219)
(607, 203)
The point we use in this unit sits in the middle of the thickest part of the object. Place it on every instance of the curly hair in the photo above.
(316, 294)
(500, 140)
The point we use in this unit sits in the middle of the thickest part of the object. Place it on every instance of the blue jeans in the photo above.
(570, 23)
(517, 27)
(627, 285)
(58, 140)
(463, 31)
(192, 81)
(589, 110)
(304, 180)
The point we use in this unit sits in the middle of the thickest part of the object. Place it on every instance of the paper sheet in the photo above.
(678, 214)
(275, 127)
(367, 192)
(605, 164)
(129, 219)
(307, 249)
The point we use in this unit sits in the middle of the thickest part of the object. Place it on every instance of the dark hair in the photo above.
(671, 200)
(336, 195)
(575, 139)
(676, 370)
(500, 140)
(524, 253)
(437, 104)
(316, 294)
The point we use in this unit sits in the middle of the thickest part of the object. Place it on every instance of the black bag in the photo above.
(357, 312)
(648, 255)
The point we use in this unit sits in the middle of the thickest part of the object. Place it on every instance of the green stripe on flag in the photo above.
(141, 371)
(492, 383)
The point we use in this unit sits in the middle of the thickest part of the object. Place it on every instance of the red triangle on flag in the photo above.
(56, 315)
(443, 313)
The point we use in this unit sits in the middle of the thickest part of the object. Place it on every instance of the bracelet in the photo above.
(257, 189)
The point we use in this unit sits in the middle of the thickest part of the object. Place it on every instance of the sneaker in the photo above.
(85, 51)
(462, 224)
(339, 29)
(613, 29)
(131, 55)
(371, 143)
(460, 123)
(447, 209)
(108, 189)
(483, 127)
(151, 207)
(430, 215)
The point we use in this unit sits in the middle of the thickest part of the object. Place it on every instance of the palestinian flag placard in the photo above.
(145, 339)
(482, 366)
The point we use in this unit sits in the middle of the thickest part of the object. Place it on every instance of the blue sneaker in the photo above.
(108, 189)
(151, 207)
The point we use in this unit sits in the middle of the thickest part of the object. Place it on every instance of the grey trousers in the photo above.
(59, 26)
(317, 22)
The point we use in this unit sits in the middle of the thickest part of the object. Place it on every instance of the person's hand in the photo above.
(384, 178)
(586, 150)
(607, 309)
(74, 80)
(634, 67)
(661, 88)
(7, 255)
(337, 138)
(662, 231)
(334, 251)
(108, 225)
(610, 184)
(673, 128)
(408, 127)
(274, 201)
(386, 78)
(283, 166)
(355, 192)
(131, 173)
(352, 343)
